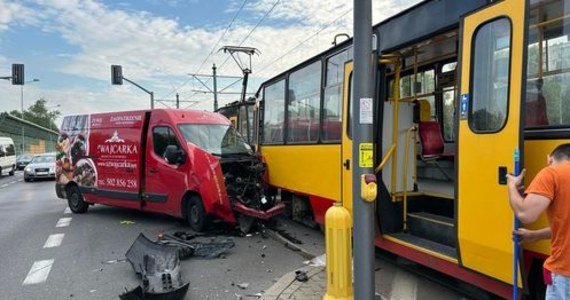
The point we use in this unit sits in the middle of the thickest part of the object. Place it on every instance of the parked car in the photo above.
(7, 156)
(23, 160)
(41, 166)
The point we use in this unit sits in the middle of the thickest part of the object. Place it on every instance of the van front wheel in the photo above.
(75, 200)
(13, 171)
(196, 214)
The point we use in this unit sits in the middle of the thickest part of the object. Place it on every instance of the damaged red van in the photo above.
(184, 163)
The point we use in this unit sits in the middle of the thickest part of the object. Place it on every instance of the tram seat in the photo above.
(432, 145)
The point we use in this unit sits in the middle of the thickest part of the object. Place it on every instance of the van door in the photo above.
(165, 182)
(492, 75)
(346, 160)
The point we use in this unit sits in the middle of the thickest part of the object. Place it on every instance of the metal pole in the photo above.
(363, 211)
(215, 88)
(177, 101)
(22, 110)
(151, 100)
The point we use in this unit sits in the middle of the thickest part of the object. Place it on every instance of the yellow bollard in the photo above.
(338, 224)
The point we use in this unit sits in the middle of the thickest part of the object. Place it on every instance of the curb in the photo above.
(287, 284)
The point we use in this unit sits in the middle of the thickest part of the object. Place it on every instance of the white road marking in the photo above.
(4, 185)
(67, 210)
(63, 222)
(20, 180)
(54, 240)
(404, 287)
(39, 272)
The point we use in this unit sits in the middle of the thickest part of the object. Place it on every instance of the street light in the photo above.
(22, 111)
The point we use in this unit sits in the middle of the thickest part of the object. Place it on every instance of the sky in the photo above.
(69, 45)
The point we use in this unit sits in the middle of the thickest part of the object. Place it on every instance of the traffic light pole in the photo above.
(362, 152)
(140, 87)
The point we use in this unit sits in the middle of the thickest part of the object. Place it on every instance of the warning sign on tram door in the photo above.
(366, 111)
(365, 155)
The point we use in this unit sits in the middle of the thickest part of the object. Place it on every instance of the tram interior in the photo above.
(418, 206)
(425, 121)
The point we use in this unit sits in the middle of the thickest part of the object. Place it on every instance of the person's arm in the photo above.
(529, 208)
(530, 236)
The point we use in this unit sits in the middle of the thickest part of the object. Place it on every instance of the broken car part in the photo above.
(159, 268)
(196, 249)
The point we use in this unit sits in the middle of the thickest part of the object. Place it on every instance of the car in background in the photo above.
(23, 160)
(7, 156)
(41, 166)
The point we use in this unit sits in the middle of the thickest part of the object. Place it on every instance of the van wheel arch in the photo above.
(194, 212)
(75, 200)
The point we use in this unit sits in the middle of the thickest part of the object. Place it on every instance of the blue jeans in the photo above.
(559, 289)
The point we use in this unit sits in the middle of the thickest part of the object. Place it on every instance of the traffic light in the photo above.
(116, 75)
(18, 74)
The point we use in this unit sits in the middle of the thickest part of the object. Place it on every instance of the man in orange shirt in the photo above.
(550, 191)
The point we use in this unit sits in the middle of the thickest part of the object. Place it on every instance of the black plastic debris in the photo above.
(301, 276)
(159, 267)
(197, 249)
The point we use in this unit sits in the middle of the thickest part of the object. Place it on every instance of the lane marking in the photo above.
(405, 286)
(63, 222)
(54, 240)
(67, 210)
(39, 272)
(4, 185)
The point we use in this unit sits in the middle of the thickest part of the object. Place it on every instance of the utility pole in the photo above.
(215, 87)
(177, 101)
(362, 149)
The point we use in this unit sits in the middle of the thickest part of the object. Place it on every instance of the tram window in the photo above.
(490, 76)
(332, 106)
(303, 104)
(274, 112)
(548, 87)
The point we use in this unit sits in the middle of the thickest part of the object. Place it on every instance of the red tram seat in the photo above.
(432, 145)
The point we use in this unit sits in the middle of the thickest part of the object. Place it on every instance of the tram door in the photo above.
(490, 106)
(346, 161)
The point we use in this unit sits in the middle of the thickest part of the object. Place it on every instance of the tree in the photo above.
(39, 114)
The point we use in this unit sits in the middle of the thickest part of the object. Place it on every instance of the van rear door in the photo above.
(115, 149)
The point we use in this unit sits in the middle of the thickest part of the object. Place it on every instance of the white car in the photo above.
(7, 156)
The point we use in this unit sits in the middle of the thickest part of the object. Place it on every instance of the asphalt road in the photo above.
(48, 253)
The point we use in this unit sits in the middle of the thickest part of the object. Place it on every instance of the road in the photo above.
(49, 253)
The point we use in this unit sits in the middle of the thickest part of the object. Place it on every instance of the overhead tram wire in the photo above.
(211, 51)
(307, 39)
(249, 34)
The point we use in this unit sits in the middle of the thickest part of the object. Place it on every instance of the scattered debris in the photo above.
(127, 222)
(159, 268)
(319, 261)
(301, 276)
(113, 261)
(289, 244)
(197, 249)
(288, 236)
(243, 285)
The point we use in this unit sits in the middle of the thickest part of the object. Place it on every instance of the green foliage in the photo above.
(39, 114)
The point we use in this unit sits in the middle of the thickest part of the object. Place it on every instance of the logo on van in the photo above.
(115, 138)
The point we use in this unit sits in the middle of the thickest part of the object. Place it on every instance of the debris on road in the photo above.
(243, 285)
(289, 244)
(301, 276)
(127, 222)
(197, 249)
(114, 261)
(319, 261)
(159, 268)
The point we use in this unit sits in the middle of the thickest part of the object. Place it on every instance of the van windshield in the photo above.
(216, 139)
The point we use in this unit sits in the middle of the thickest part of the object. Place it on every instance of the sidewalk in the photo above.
(288, 287)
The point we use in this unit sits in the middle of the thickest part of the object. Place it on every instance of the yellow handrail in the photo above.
(396, 90)
(385, 159)
(405, 175)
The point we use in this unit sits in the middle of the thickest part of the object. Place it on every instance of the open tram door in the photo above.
(493, 71)
(346, 151)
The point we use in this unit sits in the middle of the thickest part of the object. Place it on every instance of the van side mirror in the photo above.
(174, 156)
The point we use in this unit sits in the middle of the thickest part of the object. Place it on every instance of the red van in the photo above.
(188, 164)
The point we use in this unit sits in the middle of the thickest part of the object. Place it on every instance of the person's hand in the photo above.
(516, 181)
(526, 236)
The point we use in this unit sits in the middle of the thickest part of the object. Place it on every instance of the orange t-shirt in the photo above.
(553, 182)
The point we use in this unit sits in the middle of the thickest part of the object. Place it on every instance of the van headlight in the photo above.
(28, 170)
